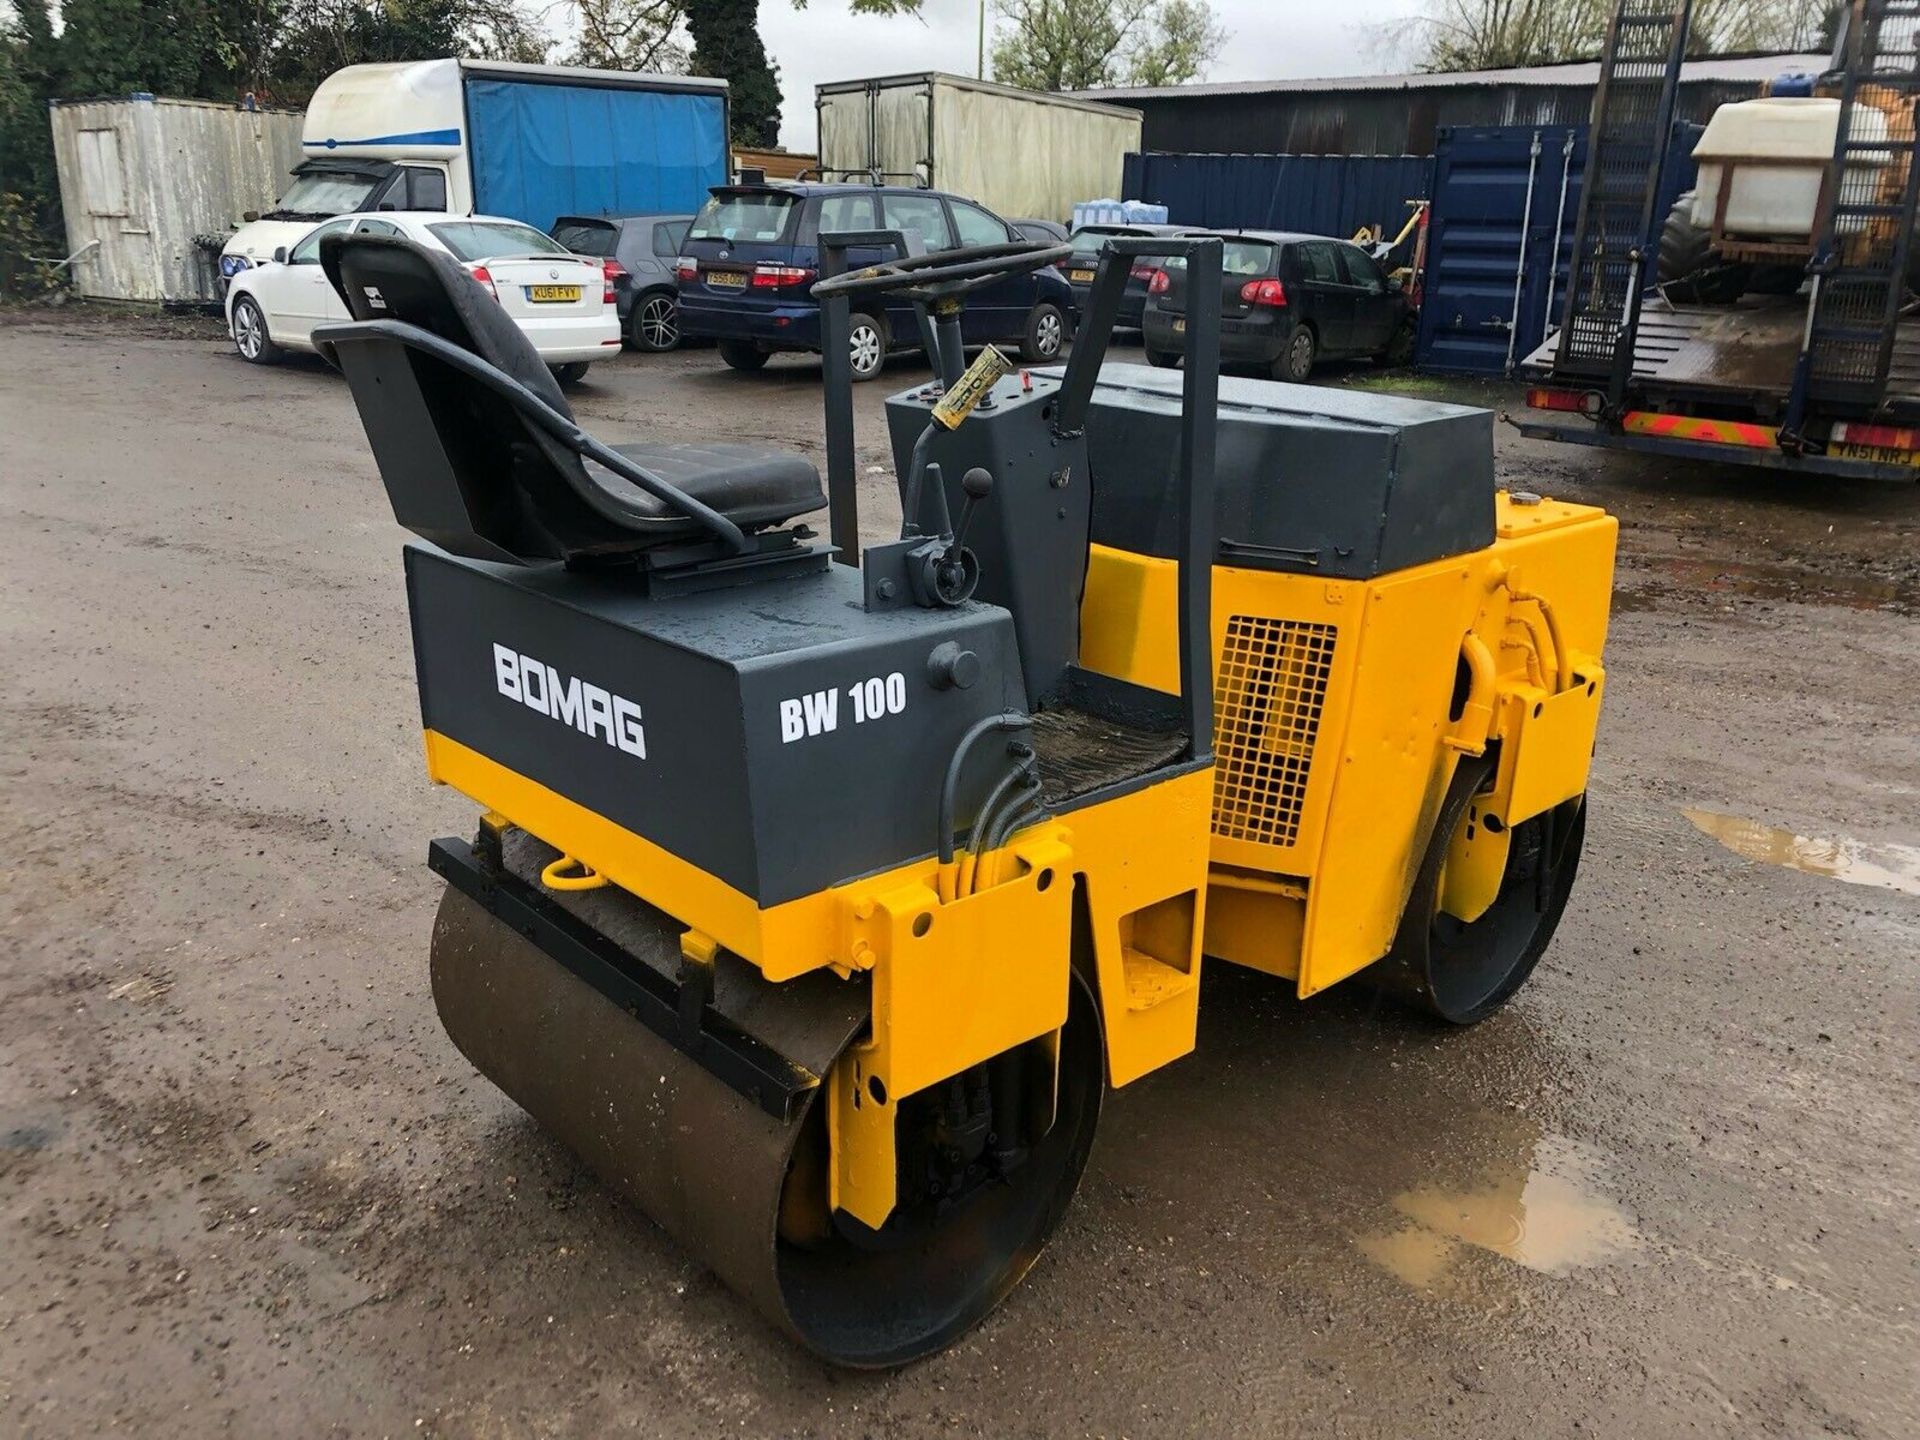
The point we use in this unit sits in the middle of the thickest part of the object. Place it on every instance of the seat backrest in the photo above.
(462, 466)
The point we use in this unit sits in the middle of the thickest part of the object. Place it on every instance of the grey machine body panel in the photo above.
(1309, 479)
(1033, 529)
(710, 683)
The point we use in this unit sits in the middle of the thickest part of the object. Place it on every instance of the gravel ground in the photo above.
(248, 1188)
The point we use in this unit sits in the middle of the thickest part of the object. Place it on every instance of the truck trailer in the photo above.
(1777, 328)
(1018, 152)
(491, 137)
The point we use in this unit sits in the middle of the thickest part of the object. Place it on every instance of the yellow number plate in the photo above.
(1180, 326)
(1081, 277)
(552, 294)
(1878, 454)
(728, 279)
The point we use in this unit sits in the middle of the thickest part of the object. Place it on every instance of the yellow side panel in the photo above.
(953, 985)
(959, 983)
(1130, 618)
(1135, 853)
(783, 940)
(1284, 650)
(1392, 769)
(1547, 745)
(1566, 553)
(1475, 866)
(1257, 924)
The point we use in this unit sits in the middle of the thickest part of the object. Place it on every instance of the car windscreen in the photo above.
(587, 237)
(324, 194)
(1238, 259)
(757, 217)
(1087, 242)
(484, 239)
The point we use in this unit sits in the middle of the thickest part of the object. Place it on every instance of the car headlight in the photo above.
(232, 265)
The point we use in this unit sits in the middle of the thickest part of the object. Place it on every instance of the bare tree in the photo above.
(1497, 34)
(1723, 27)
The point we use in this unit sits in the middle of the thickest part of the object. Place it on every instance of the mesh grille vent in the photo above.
(1271, 688)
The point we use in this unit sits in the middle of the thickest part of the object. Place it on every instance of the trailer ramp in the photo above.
(1633, 115)
(1860, 270)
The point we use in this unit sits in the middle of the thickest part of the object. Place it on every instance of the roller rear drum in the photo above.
(742, 1190)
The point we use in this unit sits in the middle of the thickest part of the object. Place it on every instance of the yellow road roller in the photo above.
(819, 892)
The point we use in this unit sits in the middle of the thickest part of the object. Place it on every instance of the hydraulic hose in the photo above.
(978, 731)
(1023, 755)
(1021, 813)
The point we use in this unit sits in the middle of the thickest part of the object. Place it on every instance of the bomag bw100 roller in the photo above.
(816, 904)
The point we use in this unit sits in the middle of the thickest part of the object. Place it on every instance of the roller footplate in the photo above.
(723, 1017)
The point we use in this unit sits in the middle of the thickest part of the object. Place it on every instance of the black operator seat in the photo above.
(468, 471)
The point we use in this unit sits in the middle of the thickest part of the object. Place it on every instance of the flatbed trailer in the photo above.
(1825, 380)
(1715, 382)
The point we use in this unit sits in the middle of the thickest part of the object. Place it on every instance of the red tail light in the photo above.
(1159, 283)
(1883, 437)
(1270, 293)
(614, 271)
(775, 277)
(686, 268)
(1572, 400)
(1143, 272)
(485, 277)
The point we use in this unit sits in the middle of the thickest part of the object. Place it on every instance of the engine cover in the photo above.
(778, 736)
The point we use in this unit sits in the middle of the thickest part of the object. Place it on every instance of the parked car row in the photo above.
(740, 273)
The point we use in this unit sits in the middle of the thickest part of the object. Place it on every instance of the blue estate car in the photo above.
(752, 255)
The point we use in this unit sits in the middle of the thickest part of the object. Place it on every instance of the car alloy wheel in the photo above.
(1300, 352)
(250, 336)
(659, 323)
(865, 349)
(1047, 333)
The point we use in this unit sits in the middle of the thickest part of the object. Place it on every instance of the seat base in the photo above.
(751, 485)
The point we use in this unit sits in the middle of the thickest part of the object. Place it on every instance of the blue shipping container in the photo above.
(1316, 194)
(542, 151)
(1495, 281)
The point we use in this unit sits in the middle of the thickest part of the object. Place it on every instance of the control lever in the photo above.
(977, 483)
(942, 571)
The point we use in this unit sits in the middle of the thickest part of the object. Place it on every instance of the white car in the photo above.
(562, 301)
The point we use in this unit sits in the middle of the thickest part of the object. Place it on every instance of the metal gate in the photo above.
(1500, 239)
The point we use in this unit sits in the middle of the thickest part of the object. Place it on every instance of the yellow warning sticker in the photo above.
(957, 404)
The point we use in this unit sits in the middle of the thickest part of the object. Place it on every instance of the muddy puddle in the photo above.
(1889, 867)
(1646, 582)
(1542, 1207)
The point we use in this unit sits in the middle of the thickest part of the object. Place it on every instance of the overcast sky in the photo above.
(1270, 39)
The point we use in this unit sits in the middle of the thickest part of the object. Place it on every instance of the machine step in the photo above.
(1152, 982)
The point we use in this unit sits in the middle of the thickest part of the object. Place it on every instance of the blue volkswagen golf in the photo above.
(752, 254)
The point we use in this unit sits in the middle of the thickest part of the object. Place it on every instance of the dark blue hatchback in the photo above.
(752, 255)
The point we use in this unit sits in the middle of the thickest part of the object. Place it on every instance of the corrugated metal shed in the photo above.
(1320, 194)
(141, 176)
(1402, 114)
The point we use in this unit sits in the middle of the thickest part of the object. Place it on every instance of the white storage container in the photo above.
(1774, 153)
(1020, 153)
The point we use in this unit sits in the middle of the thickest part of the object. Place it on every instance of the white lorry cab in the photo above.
(531, 142)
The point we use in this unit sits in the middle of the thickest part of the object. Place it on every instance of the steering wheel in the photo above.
(943, 274)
